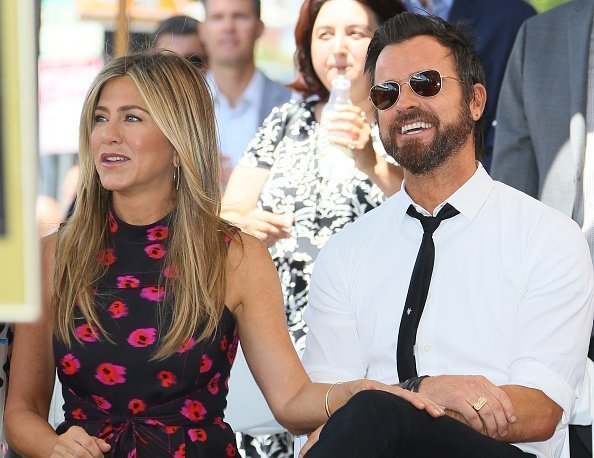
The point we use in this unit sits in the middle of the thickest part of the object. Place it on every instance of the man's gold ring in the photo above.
(480, 403)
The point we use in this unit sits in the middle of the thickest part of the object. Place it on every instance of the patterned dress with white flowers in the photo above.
(289, 144)
(142, 407)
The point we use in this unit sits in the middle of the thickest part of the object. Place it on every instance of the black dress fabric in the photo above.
(167, 408)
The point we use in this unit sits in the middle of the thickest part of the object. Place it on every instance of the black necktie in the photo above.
(418, 290)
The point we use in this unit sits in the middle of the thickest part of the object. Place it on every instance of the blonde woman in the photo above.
(147, 290)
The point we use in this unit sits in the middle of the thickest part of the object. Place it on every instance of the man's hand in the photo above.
(458, 393)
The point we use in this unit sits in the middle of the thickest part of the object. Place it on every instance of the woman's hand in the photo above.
(418, 400)
(348, 127)
(76, 442)
(267, 226)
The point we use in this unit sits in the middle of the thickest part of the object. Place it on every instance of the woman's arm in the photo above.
(30, 386)
(254, 295)
(32, 376)
(239, 206)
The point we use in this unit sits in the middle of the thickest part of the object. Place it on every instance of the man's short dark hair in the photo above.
(177, 25)
(255, 3)
(455, 37)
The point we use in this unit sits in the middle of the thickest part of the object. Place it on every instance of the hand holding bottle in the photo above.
(344, 133)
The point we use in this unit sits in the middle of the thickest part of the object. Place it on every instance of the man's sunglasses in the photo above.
(425, 84)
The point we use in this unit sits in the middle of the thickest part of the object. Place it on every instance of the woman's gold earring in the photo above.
(176, 173)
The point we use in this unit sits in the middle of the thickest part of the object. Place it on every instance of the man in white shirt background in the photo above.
(489, 315)
(243, 95)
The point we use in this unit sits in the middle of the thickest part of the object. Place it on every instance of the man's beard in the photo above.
(418, 158)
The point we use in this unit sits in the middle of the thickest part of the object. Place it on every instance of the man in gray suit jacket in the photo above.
(540, 139)
(542, 120)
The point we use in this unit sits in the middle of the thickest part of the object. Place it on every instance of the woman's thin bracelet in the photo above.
(326, 403)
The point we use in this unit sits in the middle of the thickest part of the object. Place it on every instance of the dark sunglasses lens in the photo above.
(384, 95)
(427, 83)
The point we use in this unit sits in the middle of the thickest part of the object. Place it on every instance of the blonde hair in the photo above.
(179, 100)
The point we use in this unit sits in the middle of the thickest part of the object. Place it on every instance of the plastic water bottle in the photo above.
(335, 159)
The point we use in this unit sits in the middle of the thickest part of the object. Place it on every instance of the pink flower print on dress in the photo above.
(180, 452)
(167, 378)
(86, 333)
(101, 402)
(187, 346)
(231, 450)
(132, 454)
(142, 337)
(106, 257)
(78, 414)
(110, 374)
(219, 421)
(169, 430)
(224, 343)
(153, 293)
(118, 309)
(213, 384)
(113, 225)
(136, 406)
(170, 272)
(128, 281)
(232, 350)
(70, 365)
(106, 433)
(157, 233)
(154, 422)
(155, 251)
(205, 364)
(193, 410)
(197, 434)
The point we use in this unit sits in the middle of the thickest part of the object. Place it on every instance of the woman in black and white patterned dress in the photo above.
(281, 191)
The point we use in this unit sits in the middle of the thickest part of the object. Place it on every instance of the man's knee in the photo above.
(375, 406)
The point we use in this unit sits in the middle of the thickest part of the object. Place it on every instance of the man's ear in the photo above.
(478, 102)
(260, 30)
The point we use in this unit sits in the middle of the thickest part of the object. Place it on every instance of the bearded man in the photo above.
(459, 287)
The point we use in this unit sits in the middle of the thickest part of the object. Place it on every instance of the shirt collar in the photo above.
(468, 198)
(252, 95)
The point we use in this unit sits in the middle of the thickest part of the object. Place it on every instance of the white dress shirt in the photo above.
(510, 297)
(237, 125)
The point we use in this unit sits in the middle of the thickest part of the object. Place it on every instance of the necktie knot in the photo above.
(431, 223)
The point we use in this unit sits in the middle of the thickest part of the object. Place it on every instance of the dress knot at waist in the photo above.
(124, 432)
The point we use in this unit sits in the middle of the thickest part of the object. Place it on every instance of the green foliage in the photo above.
(543, 5)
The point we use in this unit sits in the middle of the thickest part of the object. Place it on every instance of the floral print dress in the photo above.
(145, 408)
